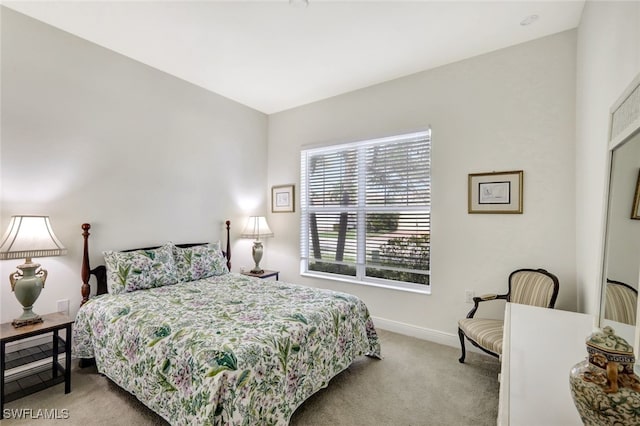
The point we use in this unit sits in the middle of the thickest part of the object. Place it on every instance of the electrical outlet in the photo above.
(63, 306)
(468, 296)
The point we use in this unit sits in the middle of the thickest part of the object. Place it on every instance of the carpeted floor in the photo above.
(418, 383)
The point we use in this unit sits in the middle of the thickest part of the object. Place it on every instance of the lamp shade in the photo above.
(256, 227)
(30, 236)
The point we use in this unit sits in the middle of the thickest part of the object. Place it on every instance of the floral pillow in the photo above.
(140, 269)
(194, 263)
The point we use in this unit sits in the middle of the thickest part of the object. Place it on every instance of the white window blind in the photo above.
(365, 210)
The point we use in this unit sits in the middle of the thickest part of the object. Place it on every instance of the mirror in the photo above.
(621, 253)
(622, 256)
(621, 269)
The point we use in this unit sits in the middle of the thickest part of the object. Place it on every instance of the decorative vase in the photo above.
(604, 387)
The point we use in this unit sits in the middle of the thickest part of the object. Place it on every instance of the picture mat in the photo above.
(495, 192)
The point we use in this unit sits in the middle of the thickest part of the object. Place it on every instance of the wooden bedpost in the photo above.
(85, 272)
(228, 223)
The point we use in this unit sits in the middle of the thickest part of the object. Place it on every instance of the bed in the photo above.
(214, 348)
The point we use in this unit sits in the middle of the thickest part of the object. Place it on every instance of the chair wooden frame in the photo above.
(623, 285)
(620, 283)
(507, 297)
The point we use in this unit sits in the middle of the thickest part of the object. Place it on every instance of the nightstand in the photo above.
(265, 274)
(40, 376)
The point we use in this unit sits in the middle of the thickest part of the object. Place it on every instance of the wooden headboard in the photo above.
(100, 272)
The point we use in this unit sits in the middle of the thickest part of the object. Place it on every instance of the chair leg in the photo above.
(464, 352)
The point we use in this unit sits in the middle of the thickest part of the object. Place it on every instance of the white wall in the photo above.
(508, 110)
(607, 61)
(89, 135)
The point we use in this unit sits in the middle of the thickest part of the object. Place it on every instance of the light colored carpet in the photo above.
(418, 383)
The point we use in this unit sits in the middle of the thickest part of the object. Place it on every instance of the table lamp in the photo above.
(257, 227)
(29, 236)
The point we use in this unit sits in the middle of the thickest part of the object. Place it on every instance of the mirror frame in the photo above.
(624, 124)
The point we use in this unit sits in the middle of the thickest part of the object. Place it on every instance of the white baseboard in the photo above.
(436, 336)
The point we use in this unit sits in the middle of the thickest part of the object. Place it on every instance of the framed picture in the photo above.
(635, 212)
(283, 199)
(495, 192)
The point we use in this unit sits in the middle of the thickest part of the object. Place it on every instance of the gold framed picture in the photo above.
(283, 199)
(495, 192)
(635, 212)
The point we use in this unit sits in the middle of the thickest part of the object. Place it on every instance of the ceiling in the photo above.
(273, 55)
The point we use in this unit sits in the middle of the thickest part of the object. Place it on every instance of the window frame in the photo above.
(360, 210)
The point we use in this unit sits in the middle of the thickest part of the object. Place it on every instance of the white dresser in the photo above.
(540, 347)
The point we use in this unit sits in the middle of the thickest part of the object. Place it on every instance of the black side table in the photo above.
(38, 379)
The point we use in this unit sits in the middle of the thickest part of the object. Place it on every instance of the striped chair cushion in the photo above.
(531, 288)
(485, 332)
(620, 304)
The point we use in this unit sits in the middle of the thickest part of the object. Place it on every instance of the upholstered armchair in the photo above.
(621, 302)
(535, 287)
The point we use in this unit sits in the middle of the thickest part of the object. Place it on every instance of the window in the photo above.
(365, 210)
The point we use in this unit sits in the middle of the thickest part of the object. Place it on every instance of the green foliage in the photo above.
(123, 273)
(408, 252)
(151, 254)
(409, 277)
(122, 312)
(243, 378)
(343, 191)
(166, 365)
(221, 361)
(333, 268)
(382, 222)
(298, 317)
(336, 322)
(165, 384)
(159, 334)
(283, 347)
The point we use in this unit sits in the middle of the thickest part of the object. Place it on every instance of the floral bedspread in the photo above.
(224, 350)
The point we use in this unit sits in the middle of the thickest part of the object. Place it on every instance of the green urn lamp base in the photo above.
(256, 252)
(27, 285)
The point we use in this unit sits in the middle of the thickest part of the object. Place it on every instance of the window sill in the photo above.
(333, 277)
